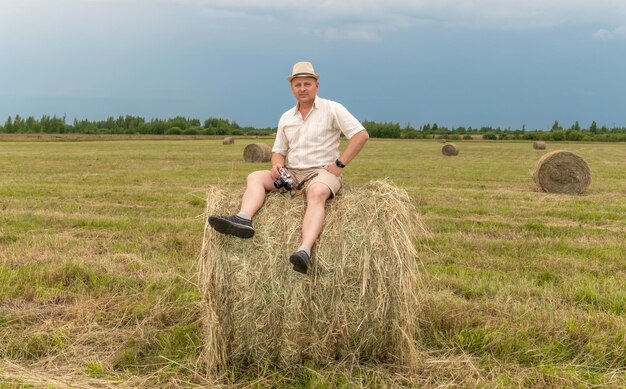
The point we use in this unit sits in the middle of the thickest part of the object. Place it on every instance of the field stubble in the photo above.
(99, 244)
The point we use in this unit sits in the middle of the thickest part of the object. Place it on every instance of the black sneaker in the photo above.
(232, 225)
(300, 261)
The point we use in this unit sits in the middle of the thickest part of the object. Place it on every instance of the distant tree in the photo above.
(574, 135)
(558, 135)
(593, 128)
(383, 130)
(53, 125)
(556, 126)
(8, 126)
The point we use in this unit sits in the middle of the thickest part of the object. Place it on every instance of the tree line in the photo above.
(129, 125)
(218, 126)
(556, 133)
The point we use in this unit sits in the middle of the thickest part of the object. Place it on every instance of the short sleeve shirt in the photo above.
(314, 141)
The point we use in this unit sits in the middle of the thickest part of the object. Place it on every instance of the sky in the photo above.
(471, 63)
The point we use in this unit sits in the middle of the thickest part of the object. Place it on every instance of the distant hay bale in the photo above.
(539, 145)
(357, 304)
(450, 149)
(229, 140)
(257, 152)
(562, 172)
(442, 140)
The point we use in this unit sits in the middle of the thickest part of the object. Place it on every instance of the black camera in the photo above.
(284, 180)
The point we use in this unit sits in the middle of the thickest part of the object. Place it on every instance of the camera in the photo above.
(284, 180)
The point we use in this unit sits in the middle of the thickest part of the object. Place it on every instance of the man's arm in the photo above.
(355, 144)
(278, 161)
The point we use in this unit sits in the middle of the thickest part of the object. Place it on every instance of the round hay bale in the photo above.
(358, 303)
(562, 172)
(257, 152)
(229, 140)
(539, 145)
(450, 149)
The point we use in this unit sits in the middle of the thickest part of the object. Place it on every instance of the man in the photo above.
(308, 140)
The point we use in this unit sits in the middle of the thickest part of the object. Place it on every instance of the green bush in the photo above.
(192, 131)
(173, 131)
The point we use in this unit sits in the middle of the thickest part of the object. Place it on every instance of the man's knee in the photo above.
(318, 191)
(258, 176)
(261, 178)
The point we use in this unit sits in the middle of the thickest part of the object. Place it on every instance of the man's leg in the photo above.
(240, 225)
(316, 196)
(258, 183)
(312, 224)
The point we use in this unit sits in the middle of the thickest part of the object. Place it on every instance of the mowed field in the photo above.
(99, 245)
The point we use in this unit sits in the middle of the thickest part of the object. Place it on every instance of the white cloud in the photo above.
(499, 12)
(604, 34)
(362, 19)
(367, 19)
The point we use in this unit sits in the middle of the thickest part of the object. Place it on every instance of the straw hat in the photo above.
(303, 69)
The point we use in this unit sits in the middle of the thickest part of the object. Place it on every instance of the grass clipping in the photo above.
(357, 304)
(562, 172)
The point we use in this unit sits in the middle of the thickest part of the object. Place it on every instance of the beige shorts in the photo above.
(324, 176)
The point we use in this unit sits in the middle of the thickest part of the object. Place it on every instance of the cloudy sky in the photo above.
(501, 63)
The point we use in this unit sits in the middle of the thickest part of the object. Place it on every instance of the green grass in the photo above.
(99, 242)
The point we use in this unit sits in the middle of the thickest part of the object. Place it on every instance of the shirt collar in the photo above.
(315, 105)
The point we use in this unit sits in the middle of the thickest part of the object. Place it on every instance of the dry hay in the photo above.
(562, 172)
(257, 152)
(37, 376)
(357, 304)
(539, 145)
(450, 149)
(229, 140)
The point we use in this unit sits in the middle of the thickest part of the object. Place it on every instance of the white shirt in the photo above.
(314, 141)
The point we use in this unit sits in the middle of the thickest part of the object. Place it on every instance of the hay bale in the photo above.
(450, 149)
(357, 303)
(539, 145)
(257, 152)
(562, 172)
(229, 140)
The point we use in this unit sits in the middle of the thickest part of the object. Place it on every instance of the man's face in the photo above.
(304, 89)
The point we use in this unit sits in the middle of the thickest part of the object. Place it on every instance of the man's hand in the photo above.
(334, 169)
(278, 161)
(275, 168)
